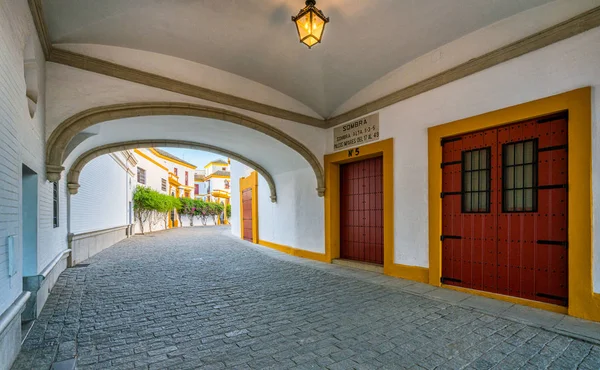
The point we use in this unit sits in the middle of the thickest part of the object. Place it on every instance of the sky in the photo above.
(198, 158)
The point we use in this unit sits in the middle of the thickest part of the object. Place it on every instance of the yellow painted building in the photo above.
(165, 173)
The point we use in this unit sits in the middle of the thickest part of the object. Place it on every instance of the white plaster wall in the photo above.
(561, 67)
(218, 184)
(201, 187)
(296, 220)
(310, 213)
(102, 199)
(154, 174)
(215, 168)
(185, 222)
(22, 142)
(277, 221)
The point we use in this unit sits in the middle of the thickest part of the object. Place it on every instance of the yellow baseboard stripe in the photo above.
(295, 252)
(415, 273)
(506, 298)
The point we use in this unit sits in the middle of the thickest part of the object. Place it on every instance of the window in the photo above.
(519, 180)
(141, 175)
(224, 168)
(196, 189)
(476, 181)
(186, 178)
(175, 171)
(55, 204)
(226, 184)
(163, 184)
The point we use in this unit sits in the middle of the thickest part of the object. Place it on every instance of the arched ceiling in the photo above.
(273, 155)
(256, 38)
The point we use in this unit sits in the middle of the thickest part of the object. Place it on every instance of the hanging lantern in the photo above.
(310, 23)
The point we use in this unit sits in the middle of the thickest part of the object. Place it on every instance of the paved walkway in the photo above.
(197, 298)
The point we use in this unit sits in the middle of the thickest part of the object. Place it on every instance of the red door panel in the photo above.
(247, 214)
(361, 210)
(517, 249)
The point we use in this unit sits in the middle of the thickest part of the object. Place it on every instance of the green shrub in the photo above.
(152, 207)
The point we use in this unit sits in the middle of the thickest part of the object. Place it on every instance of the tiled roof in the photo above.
(169, 155)
(221, 173)
(219, 161)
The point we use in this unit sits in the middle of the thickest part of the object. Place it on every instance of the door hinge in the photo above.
(443, 194)
(553, 242)
(450, 237)
(449, 140)
(444, 164)
(548, 187)
(550, 148)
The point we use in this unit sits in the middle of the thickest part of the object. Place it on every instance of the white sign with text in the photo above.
(358, 132)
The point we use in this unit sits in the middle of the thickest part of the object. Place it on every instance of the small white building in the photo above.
(216, 178)
(167, 174)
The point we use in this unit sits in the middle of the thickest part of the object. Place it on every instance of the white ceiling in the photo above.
(273, 155)
(257, 40)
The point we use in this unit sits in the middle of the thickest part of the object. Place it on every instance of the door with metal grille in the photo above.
(361, 210)
(247, 214)
(504, 222)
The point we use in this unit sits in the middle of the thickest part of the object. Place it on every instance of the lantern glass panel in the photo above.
(304, 26)
(318, 25)
(310, 41)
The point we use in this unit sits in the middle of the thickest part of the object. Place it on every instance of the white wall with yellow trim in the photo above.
(565, 66)
(295, 221)
(238, 171)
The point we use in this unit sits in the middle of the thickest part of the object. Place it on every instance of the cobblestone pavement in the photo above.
(196, 298)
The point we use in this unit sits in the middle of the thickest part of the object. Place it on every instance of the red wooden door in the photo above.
(247, 214)
(469, 227)
(515, 242)
(361, 210)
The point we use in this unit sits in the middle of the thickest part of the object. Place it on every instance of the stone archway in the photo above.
(85, 158)
(68, 129)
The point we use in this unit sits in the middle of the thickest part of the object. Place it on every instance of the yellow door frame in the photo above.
(250, 182)
(384, 148)
(583, 302)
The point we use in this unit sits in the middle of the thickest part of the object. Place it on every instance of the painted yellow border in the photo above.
(582, 301)
(144, 155)
(294, 252)
(172, 160)
(507, 298)
(250, 181)
(332, 162)
(216, 163)
(211, 176)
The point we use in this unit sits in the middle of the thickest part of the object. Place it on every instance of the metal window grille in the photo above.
(476, 180)
(55, 204)
(520, 176)
(163, 184)
(141, 175)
